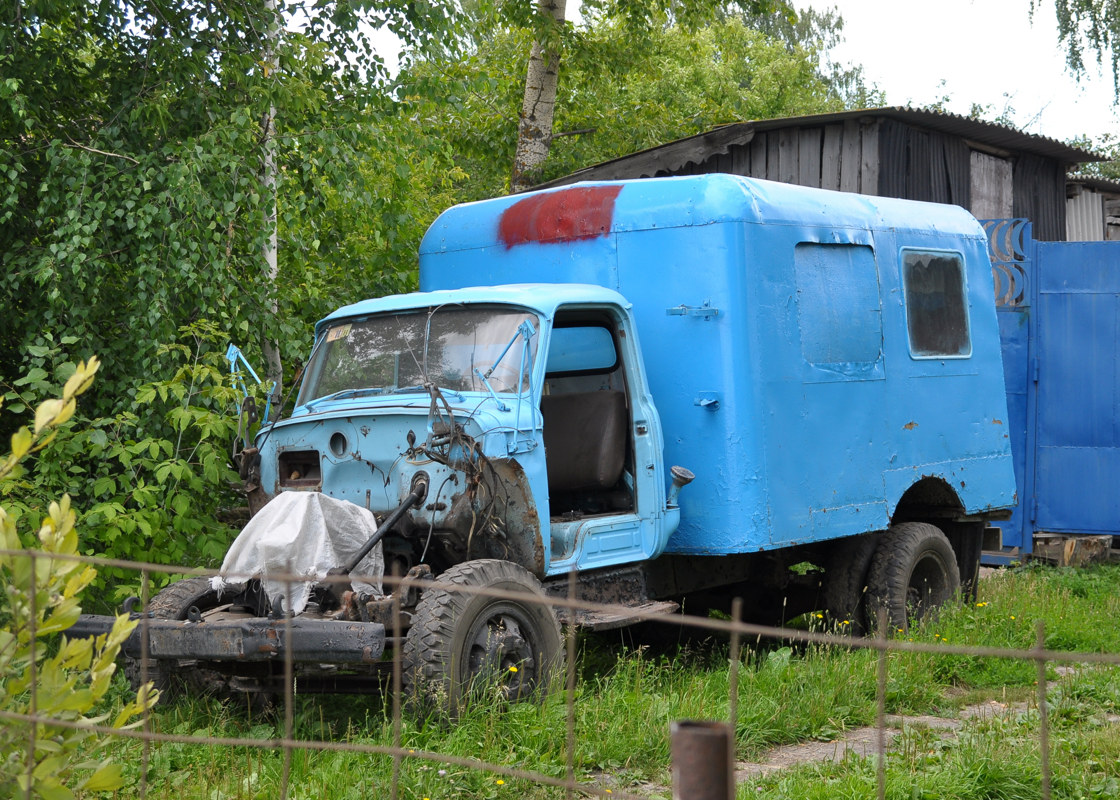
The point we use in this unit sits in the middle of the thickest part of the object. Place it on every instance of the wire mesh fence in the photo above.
(278, 668)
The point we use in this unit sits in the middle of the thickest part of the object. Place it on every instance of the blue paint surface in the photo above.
(1063, 383)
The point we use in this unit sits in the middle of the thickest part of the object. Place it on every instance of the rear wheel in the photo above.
(913, 572)
(464, 646)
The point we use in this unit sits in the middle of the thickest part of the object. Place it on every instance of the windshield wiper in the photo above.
(343, 393)
(524, 331)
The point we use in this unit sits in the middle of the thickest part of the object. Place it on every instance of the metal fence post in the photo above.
(1043, 710)
(881, 704)
(703, 760)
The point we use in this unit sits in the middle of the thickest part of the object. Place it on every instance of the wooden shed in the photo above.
(992, 170)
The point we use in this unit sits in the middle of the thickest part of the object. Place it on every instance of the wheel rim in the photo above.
(927, 587)
(499, 651)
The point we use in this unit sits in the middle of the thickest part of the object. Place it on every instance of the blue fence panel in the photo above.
(1059, 305)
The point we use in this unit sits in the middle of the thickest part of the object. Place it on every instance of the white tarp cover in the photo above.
(302, 534)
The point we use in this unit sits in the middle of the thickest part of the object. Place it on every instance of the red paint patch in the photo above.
(566, 215)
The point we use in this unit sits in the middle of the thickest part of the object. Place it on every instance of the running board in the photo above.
(616, 616)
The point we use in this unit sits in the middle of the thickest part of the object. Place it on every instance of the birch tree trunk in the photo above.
(534, 130)
(271, 349)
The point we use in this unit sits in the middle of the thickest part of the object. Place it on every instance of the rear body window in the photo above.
(936, 304)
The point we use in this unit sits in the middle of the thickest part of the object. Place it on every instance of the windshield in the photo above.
(452, 347)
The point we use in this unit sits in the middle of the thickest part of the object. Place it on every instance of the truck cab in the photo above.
(525, 407)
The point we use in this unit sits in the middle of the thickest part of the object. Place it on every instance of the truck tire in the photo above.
(176, 678)
(914, 571)
(845, 582)
(463, 645)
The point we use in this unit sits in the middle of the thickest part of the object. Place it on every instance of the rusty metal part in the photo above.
(257, 499)
(623, 585)
(496, 517)
(248, 639)
(362, 608)
(703, 760)
(609, 619)
(249, 464)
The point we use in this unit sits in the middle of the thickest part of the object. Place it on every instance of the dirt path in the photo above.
(861, 742)
(864, 742)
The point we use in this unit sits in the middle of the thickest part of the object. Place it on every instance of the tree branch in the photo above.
(100, 152)
(580, 132)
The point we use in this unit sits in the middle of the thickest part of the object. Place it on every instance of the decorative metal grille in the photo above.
(1007, 248)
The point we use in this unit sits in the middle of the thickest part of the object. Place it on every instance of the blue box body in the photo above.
(771, 321)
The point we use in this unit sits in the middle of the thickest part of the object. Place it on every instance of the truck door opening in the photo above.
(587, 420)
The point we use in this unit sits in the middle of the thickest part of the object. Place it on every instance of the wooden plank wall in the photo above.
(872, 156)
(991, 186)
(843, 157)
(890, 158)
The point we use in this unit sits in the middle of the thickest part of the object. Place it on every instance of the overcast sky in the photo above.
(982, 49)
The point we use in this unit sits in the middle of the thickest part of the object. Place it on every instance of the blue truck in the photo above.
(684, 390)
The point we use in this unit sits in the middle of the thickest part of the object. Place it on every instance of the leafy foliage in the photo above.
(1089, 25)
(133, 135)
(153, 491)
(41, 600)
(1108, 146)
(132, 147)
(620, 90)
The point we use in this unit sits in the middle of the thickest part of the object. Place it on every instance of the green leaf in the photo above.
(34, 375)
(106, 778)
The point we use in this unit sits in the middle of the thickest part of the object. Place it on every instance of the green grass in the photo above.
(627, 695)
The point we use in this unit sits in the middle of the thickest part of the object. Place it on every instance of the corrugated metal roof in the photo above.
(1102, 185)
(674, 155)
(989, 133)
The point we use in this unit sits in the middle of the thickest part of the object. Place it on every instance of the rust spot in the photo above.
(997, 421)
(910, 426)
(585, 212)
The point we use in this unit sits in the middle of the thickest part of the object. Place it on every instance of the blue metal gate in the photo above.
(1059, 305)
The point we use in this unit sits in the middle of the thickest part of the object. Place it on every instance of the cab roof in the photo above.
(543, 298)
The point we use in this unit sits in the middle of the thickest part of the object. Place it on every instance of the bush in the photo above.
(64, 681)
(155, 481)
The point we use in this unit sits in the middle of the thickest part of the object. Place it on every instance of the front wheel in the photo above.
(463, 645)
(913, 572)
(173, 678)
(176, 678)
